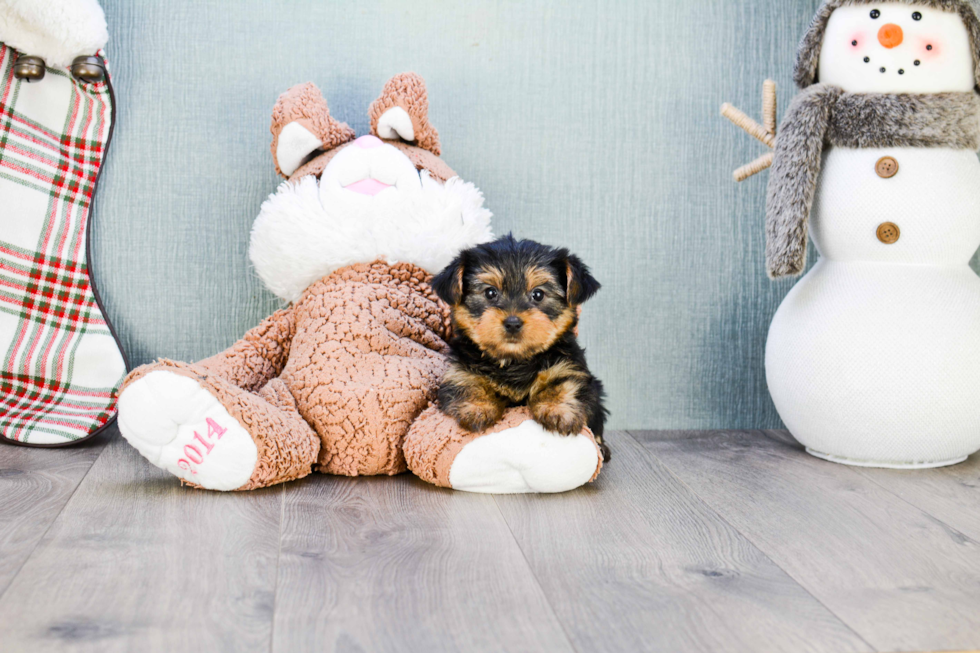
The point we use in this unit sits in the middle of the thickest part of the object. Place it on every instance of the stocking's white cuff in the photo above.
(55, 30)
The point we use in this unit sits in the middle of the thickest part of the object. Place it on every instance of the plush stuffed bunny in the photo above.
(343, 380)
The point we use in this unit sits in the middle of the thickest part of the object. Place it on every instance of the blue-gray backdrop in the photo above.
(592, 124)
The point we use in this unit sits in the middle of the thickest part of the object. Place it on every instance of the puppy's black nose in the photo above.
(513, 324)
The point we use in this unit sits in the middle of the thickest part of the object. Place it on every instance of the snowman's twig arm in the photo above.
(748, 125)
(769, 106)
(764, 133)
(754, 168)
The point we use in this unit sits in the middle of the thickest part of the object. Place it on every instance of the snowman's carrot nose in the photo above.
(891, 35)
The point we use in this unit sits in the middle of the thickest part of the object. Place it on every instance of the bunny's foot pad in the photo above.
(211, 434)
(515, 456)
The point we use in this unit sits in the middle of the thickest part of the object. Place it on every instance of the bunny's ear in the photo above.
(402, 113)
(302, 124)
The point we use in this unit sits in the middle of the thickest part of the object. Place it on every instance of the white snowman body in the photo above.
(873, 358)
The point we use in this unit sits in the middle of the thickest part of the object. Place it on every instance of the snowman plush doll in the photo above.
(873, 358)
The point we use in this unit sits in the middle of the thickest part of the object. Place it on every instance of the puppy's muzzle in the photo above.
(513, 325)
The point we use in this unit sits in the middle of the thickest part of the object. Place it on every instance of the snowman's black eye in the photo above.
(916, 16)
(875, 14)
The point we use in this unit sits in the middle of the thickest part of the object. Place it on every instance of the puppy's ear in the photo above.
(580, 284)
(448, 284)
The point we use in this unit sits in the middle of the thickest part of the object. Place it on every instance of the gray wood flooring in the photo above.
(689, 541)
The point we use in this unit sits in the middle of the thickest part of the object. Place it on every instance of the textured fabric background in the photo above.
(592, 124)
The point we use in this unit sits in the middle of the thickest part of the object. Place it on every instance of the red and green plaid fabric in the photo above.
(60, 364)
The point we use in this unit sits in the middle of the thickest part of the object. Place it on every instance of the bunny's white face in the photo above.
(370, 204)
(895, 47)
(368, 167)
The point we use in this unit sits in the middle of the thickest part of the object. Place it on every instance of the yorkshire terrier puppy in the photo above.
(514, 310)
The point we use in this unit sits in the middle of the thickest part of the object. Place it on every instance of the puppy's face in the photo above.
(515, 299)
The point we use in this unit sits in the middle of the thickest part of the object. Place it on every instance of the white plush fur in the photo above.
(300, 236)
(524, 459)
(55, 30)
(947, 67)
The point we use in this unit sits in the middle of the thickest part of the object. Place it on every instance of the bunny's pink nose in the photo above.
(367, 142)
(891, 35)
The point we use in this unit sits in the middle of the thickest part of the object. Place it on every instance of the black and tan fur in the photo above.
(537, 361)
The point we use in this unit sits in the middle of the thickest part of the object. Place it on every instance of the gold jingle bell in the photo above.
(88, 69)
(29, 68)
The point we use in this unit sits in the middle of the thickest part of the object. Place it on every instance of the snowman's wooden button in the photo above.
(887, 167)
(889, 233)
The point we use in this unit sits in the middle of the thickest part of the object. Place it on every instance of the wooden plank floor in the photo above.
(689, 541)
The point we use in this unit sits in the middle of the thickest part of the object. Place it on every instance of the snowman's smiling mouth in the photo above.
(900, 71)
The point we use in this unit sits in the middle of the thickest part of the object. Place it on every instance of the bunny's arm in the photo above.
(259, 355)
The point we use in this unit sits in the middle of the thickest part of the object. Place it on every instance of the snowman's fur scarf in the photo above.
(808, 52)
(824, 114)
(793, 179)
(55, 30)
(297, 239)
(927, 120)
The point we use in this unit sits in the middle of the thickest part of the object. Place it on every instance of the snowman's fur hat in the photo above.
(808, 53)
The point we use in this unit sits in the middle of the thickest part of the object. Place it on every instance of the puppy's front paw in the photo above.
(476, 415)
(560, 417)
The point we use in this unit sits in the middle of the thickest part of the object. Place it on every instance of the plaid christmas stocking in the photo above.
(60, 362)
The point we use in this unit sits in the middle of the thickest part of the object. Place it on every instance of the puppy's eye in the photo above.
(490, 293)
(875, 14)
(916, 15)
(537, 295)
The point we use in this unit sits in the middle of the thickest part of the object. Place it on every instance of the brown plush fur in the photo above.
(368, 353)
(808, 53)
